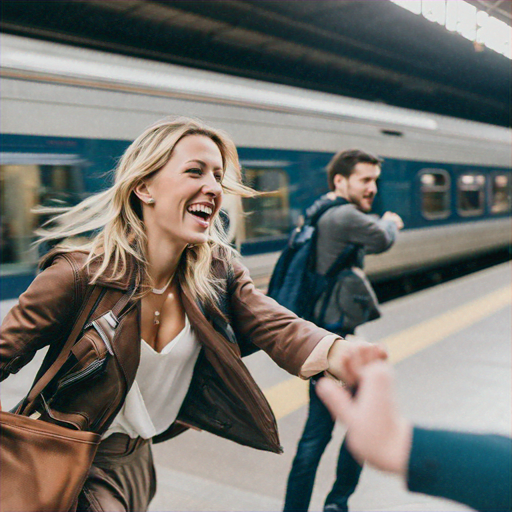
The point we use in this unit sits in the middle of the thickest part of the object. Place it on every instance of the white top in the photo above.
(160, 386)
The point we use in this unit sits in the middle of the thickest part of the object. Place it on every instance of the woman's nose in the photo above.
(212, 186)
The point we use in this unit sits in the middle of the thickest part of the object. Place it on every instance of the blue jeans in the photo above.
(317, 434)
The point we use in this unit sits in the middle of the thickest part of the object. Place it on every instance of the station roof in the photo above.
(367, 49)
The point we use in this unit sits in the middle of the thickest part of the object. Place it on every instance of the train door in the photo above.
(267, 218)
(29, 180)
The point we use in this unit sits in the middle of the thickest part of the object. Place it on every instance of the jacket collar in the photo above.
(120, 283)
(78, 260)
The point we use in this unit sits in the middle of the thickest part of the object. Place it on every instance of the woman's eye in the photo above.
(218, 176)
(199, 172)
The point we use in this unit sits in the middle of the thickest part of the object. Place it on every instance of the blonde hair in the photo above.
(116, 214)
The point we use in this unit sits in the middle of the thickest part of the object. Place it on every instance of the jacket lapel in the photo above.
(227, 362)
(208, 336)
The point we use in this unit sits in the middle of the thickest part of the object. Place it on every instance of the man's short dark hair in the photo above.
(344, 162)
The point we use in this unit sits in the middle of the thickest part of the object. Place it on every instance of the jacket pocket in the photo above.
(90, 387)
(77, 377)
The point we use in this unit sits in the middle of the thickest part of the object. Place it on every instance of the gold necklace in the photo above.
(160, 291)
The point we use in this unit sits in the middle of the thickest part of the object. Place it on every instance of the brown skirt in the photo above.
(122, 477)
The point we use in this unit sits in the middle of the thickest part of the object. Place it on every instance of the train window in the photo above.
(23, 187)
(268, 214)
(435, 193)
(501, 193)
(470, 194)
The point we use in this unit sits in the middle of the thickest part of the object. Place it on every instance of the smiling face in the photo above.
(360, 188)
(187, 192)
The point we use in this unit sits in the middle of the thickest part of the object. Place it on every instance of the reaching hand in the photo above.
(377, 433)
(346, 359)
(394, 217)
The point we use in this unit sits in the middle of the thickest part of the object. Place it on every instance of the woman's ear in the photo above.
(143, 193)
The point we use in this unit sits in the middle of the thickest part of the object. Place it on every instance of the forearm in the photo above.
(319, 359)
(375, 234)
(380, 236)
(341, 358)
(287, 339)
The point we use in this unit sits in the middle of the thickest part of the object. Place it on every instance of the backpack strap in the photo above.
(313, 218)
(344, 260)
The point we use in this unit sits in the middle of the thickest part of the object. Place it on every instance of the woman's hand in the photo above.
(347, 358)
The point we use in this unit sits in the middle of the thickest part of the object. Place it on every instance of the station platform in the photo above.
(451, 348)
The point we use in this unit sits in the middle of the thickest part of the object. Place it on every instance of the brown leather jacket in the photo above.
(88, 392)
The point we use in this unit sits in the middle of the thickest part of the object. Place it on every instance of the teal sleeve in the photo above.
(473, 469)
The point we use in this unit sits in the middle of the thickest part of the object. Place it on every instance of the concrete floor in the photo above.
(459, 381)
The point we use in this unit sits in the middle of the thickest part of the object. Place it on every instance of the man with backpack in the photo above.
(339, 232)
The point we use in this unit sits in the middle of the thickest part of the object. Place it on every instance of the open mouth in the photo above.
(201, 211)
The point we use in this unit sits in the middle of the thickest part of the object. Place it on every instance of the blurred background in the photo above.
(424, 84)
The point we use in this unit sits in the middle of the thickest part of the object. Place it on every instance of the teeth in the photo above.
(200, 208)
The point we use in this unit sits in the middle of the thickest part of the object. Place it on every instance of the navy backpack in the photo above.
(295, 284)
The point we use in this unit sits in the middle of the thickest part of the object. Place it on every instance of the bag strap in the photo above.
(313, 219)
(348, 252)
(92, 303)
(342, 262)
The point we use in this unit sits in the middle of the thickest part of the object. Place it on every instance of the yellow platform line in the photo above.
(413, 340)
(292, 394)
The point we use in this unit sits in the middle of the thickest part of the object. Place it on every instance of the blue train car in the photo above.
(69, 113)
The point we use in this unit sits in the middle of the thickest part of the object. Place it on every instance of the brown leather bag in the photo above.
(43, 466)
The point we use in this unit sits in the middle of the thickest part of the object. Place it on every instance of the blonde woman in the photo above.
(175, 360)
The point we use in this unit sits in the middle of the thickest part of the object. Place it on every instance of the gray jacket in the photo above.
(345, 224)
(351, 300)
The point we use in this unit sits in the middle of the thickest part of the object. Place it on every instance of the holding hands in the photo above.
(377, 433)
(348, 358)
